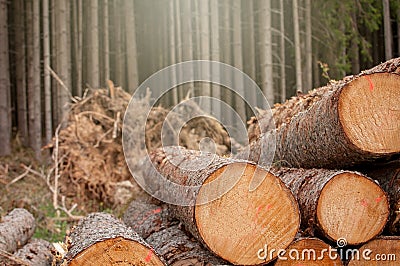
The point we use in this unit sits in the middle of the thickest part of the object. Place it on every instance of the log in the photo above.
(337, 204)
(309, 251)
(224, 215)
(16, 228)
(166, 237)
(101, 239)
(383, 250)
(388, 176)
(37, 252)
(348, 122)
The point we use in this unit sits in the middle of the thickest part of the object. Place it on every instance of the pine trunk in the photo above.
(297, 46)
(5, 101)
(266, 50)
(131, 53)
(310, 251)
(101, 239)
(332, 201)
(380, 251)
(388, 176)
(37, 252)
(345, 123)
(16, 228)
(93, 73)
(235, 224)
(282, 51)
(48, 125)
(20, 70)
(387, 29)
(166, 237)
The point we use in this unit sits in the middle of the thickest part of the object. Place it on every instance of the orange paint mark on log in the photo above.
(378, 199)
(157, 211)
(364, 203)
(149, 254)
(268, 207)
(371, 84)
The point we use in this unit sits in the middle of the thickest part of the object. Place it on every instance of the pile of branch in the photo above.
(17, 247)
(87, 148)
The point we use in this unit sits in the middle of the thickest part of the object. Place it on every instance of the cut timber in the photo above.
(309, 251)
(383, 250)
(338, 204)
(166, 237)
(388, 176)
(101, 239)
(225, 216)
(347, 122)
(36, 253)
(16, 228)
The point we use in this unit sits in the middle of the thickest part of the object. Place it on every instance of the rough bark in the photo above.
(309, 251)
(282, 50)
(328, 128)
(101, 239)
(297, 46)
(92, 52)
(242, 220)
(332, 201)
(387, 29)
(383, 250)
(131, 61)
(265, 47)
(37, 252)
(166, 237)
(16, 228)
(5, 101)
(20, 70)
(48, 125)
(388, 176)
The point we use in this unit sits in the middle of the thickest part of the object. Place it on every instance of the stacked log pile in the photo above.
(17, 247)
(334, 184)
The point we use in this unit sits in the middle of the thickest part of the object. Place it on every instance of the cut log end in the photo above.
(117, 251)
(352, 207)
(369, 112)
(309, 251)
(243, 220)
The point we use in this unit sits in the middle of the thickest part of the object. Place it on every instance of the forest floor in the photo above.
(23, 188)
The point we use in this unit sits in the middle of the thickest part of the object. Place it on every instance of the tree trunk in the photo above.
(215, 55)
(380, 251)
(16, 228)
(264, 19)
(33, 78)
(388, 176)
(5, 101)
(101, 239)
(186, 33)
(345, 123)
(62, 56)
(242, 220)
(48, 125)
(282, 51)
(308, 46)
(297, 46)
(36, 253)
(332, 201)
(106, 46)
(131, 53)
(93, 73)
(312, 251)
(204, 41)
(226, 53)
(20, 70)
(387, 29)
(249, 52)
(166, 237)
